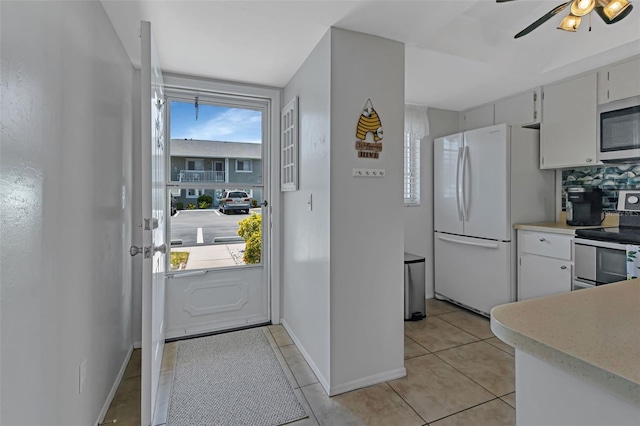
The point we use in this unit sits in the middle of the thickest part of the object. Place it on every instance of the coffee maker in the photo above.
(584, 206)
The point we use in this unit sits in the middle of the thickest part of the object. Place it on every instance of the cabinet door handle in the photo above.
(563, 267)
(543, 239)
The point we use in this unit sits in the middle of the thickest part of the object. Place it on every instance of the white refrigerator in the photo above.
(485, 181)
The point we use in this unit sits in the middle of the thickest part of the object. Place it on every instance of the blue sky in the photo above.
(215, 123)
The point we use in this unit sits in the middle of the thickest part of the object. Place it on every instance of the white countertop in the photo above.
(593, 334)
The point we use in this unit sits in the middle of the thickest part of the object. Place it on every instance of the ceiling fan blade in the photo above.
(502, 1)
(618, 18)
(544, 18)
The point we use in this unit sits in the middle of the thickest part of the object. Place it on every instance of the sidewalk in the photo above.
(212, 256)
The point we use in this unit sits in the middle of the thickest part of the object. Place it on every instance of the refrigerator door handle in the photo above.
(465, 155)
(468, 243)
(458, 189)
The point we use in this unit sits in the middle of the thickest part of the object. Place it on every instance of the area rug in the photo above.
(231, 379)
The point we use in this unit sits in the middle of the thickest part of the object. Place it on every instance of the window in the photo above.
(289, 147)
(194, 193)
(416, 127)
(243, 166)
(411, 170)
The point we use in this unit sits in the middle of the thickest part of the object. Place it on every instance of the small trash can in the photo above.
(414, 304)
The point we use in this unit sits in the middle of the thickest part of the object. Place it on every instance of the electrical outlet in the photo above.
(82, 375)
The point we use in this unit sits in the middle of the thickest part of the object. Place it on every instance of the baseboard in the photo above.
(430, 296)
(114, 388)
(323, 381)
(137, 345)
(368, 381)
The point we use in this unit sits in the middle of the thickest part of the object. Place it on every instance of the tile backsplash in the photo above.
(609, 178)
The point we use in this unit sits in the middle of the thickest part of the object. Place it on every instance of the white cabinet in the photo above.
(568, 127)
(521, 110)
(476, 118)
(619, 81)
(545, 264)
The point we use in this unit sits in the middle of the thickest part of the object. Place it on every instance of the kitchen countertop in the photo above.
(610, 221)
(593, 334)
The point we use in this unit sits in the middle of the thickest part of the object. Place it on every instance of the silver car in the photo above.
(234, 200)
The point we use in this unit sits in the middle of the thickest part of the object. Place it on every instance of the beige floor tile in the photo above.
(371, 406)
(298, 365)
(412, 349)
(435, 390)
(125, 407)
(494, 341)
(474, 324)
(510, 399)
(435, 334)
(169, 356)
(280, 335)
(281, 360)
(134, 367)
(309, 421)
(487, 365)
(439, 307)
(492, 413)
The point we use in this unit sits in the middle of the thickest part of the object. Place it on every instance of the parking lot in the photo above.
(201, 227)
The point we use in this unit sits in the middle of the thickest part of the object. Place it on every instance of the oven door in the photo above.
(599, 262)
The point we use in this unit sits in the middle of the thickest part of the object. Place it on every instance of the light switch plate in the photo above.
(369, 172)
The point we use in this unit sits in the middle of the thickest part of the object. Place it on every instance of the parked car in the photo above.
(234, 200)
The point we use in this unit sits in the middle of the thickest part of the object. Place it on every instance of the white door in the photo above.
(153, 222)
(486, 188)
(462, 272)
(222, 282)
(446, 184)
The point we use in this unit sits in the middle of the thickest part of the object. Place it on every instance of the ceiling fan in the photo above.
(611, 11)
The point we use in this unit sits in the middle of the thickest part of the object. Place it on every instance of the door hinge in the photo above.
(543, 161)
(607, 75)
(608, 96)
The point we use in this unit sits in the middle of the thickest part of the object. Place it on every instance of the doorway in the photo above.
(219, 267)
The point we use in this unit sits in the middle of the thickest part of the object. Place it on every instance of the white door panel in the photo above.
(486, 171)
(446, 169)
(473, 271)
(216, 300)
(153, 221)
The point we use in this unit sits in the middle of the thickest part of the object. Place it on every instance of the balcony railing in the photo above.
(200, 176)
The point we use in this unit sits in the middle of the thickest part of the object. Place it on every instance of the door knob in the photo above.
(563, 267)
(265, 203)
(543, 239)
(162, 249)
(135, 250)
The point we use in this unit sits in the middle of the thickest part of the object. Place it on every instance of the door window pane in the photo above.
(221, 145)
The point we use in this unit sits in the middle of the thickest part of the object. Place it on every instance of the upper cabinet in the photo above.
(619, 81)
(568, 128)
(520, 110)
(476, 118)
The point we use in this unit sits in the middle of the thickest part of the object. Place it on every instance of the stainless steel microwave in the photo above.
(619, 131)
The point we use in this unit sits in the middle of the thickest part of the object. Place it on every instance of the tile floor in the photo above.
(458, 373)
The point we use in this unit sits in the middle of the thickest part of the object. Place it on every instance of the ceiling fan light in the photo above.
(570, 23)
(615, 8)
(583, 7)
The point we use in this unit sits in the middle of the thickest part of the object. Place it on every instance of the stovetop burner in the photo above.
(621, 234)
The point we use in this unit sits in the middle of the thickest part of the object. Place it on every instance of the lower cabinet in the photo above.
(545, 264)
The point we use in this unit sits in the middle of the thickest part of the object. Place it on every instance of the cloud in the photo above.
(233, 125)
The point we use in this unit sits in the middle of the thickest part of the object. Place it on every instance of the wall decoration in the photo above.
(369, 126)
(610, 179)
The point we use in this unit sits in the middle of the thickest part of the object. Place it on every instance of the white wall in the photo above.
(305, 234)
(418, 220)
(66, 215)
(367, 226)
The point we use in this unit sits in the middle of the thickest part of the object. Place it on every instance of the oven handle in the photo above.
(603, 244)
